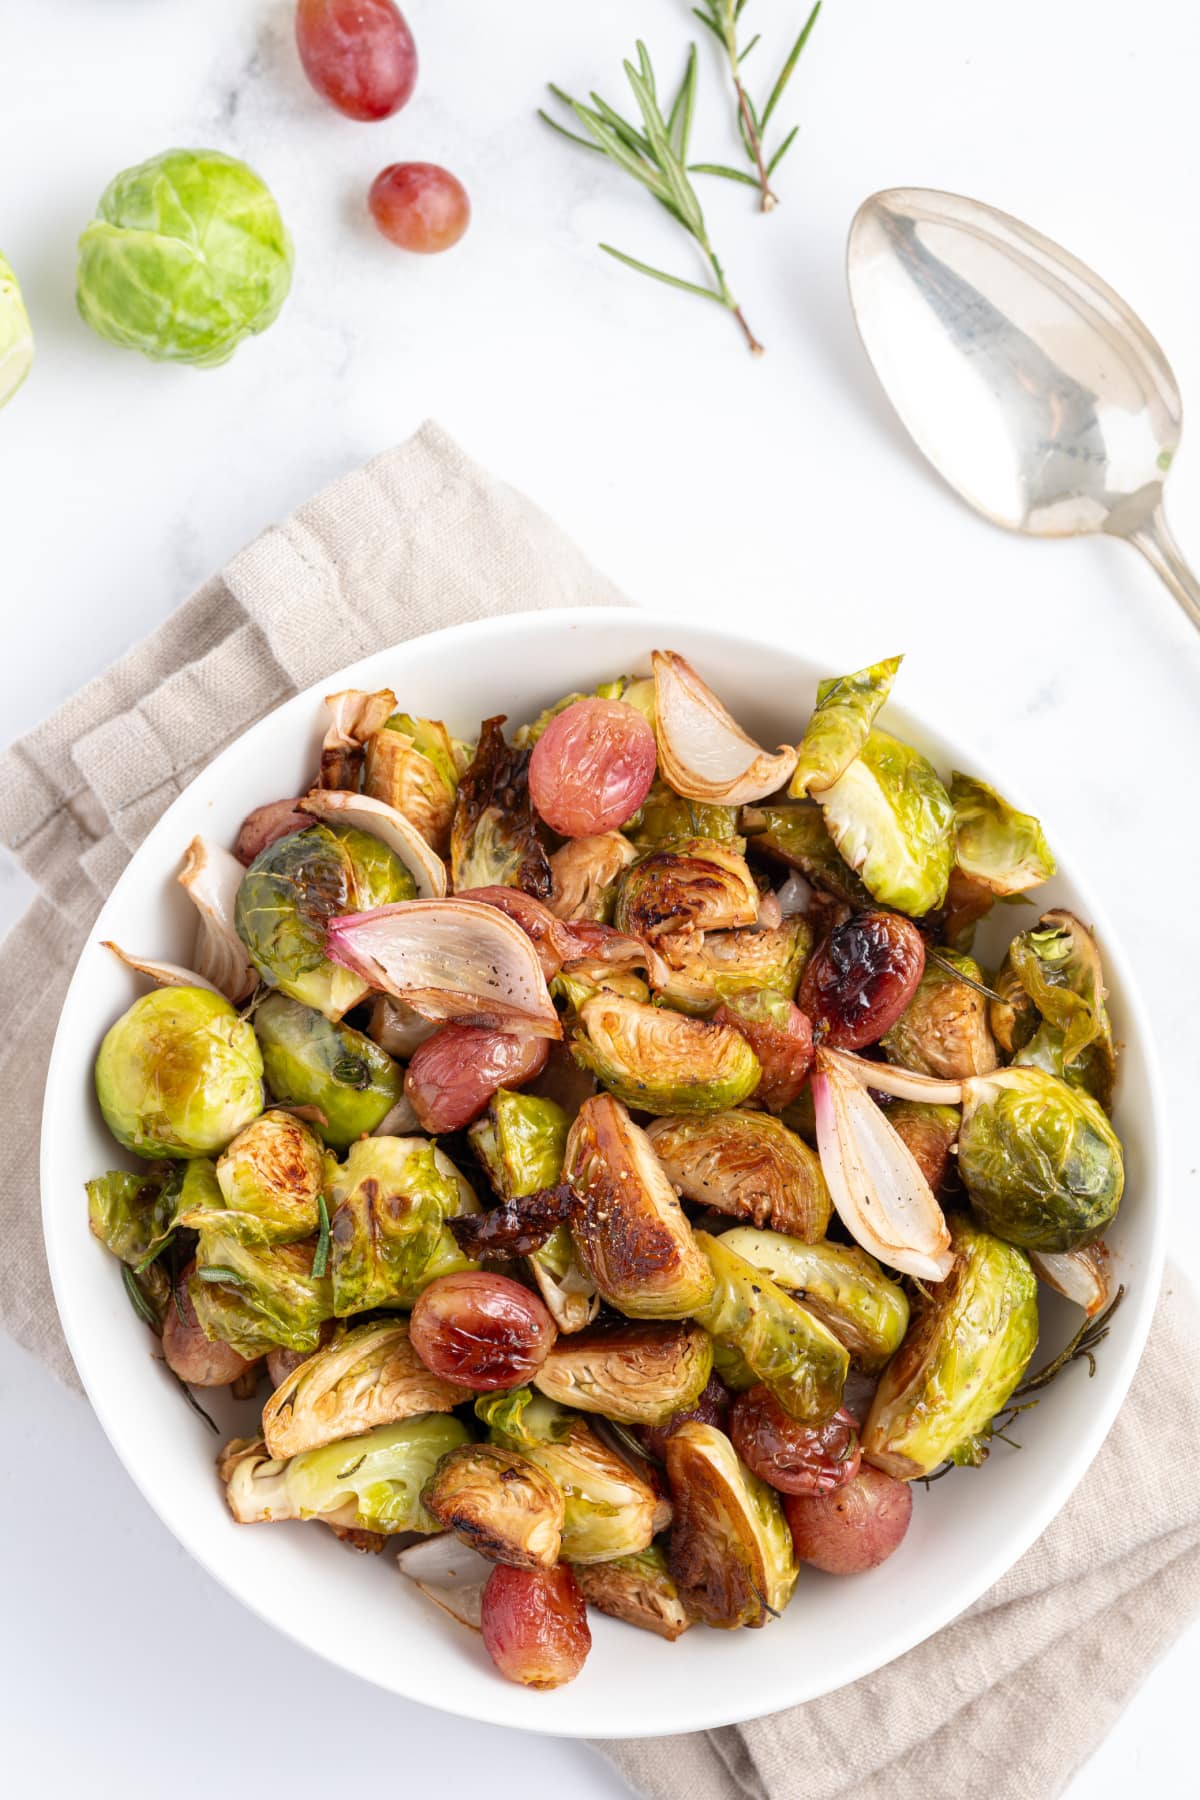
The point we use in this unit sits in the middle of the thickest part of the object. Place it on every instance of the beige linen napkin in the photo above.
(1004, 1703)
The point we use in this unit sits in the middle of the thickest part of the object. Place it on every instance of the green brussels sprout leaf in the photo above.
(390, 1201)
(837, 731)
(308, 1060)
(892, 821)
(993, 842)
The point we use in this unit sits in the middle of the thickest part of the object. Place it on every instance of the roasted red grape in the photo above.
(712, 1408)
(856, 1527)
(454, 1074)
(592, 767)
(420, 206)
(358, 54)
(196, 1359)
(482, 1330)
(535, 1625)
(795, 1458)
(780, 1036)
(861, 978)
(266, 825)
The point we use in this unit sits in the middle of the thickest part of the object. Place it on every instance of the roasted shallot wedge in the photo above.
(1080, 1275)
(581, 947)
(211, 877)
(163, 974)
(380, 820)
(881, 1196)
(449, 959)
(902, 1084)
(703, 753)
(355, 716)
(449, 1573)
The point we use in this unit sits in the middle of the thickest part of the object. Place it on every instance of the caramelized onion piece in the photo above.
(354, 717)
(380, 820)
(703, 752)
(1080, 1275)
(163, 974)
(211, 876)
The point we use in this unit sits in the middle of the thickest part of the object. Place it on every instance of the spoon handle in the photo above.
(1160, 550)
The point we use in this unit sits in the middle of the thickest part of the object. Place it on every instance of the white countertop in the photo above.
(703, 482)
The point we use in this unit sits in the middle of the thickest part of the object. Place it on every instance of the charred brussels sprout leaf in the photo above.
(309, 1060)
(665, 818)
(411, 765)
(257, 1297)
(747, 1164)
(291, 891)
(944, 1029)
(787, 1348)
(367, 1376)
(731, 1549)
(638, 1373)
(838, 729)
(500, 1502)
(270, 1177)
(839, 1284)
(966, 1349)
(892, 821)
(389, 1203)
(993, 842)
(368, 1483)
(179, 1074)
(585, 872)
(130, 1213)
(661, 1061)
(638, 1589)
(698, 884)
(1039, 1160)
(704, 968)
(495, 840)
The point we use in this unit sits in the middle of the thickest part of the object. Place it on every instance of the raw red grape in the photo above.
(358, 54)
(454, 1074)
(592, 767)
(535, 1624)
(861, 978)
(419, 206)
(795, 1458)
(854, 1528)
(481, 1330)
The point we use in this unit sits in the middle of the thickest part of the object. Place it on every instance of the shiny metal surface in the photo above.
(1027, 382)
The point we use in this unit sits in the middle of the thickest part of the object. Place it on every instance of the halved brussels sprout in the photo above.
(309, 1060)
(131, 1212)
(930, 1133)
(696, 884)
(967, 1347)
(705, 968)
(366, 1377)
(838, 729)
(662, 1061)
(1039, 1160)
(993, 842)
(944, 1030)
(500, 1502)
(585, 872)
(411, 765)
(258, 1296)
(799, 837)
(610, 1511)
(270, 1178)
(290, 892)
(787, 1347)
(371, 1483)
(748, 1164)
(495, 839)
(1057, 966)
(389, 1203)
(731, 1549)
(638, 1373)
(839, 1284)
(629, 1230)
(892, 821)
(639, 1589)
(665, 818)
(179, 1074)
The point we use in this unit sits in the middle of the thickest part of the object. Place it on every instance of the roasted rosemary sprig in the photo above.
(722, 18)
(655, 155)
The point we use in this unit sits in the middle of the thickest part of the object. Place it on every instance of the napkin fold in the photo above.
(1006, 1702)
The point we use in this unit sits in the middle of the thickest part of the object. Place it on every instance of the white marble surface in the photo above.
(701, 481)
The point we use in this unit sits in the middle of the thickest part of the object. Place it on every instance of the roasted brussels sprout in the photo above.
(179, 1074)
(290, 892)
(610, 1511)
(412, 765)
(495, 839)
(637, 1372)
(748, 1164)
(785, 1347)
(1056, 966)
(131, 1212)
(697, 884)
(966, 1349)
(892, 821)
(666, 817)
(799, 837)
(930, 1133)
(993, 842)
(310, 1061)
(371, 1483)
(499, 1502)
(845, 712)
(731, 1550)
(258, 1296)
(944, 1030)
(638, 1589)
(365, 1377)
(704, 968)
(1040, 1162)
(389, 1202)
(270, 1178)
(629, 1229)
(661, 1061)
(839, 1284)
(585, 872)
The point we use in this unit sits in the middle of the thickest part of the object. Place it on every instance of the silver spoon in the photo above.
(1030, 386)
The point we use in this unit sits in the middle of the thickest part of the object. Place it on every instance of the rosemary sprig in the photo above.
(722, 18)
(655, 154)
(1090, 1334)
(320, 1261)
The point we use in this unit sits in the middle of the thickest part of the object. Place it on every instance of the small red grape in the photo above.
(855, 1527)
(592, 767)
(358, 54)
(484, 1331)
(420, 206)
(860, 979)
(535, 1624)
(454, 1074)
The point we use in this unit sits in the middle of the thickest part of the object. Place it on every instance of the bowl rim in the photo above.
(687, 1711)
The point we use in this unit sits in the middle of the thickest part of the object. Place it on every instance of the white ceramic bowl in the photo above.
(358, 1611)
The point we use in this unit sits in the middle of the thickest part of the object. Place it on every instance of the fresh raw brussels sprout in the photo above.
(930, 1134)
(308, 1060)
(1039, 1160)
(389, 1202)
(290, 892)
(16, 335)
(179, 1074)
(993, 842)
(257, 1296)
(585, 872)
(371, 1483)
(697, 884)
(131, 1212)
(731, 1549)
(412, 765)
(665, 818)
(637, 1372)
(629, 1229)
(966, 1350)
(787, 1348)
(748, 1164)
(187, 255)
(839, 1284)
(500, 1502)
(495, 839)
(661, 1061)
(838, 729)
(610, 1511)
(270, 1177)
(799, 837)
(1056, 967)
(639, 1589)
(365, 1377)
(708, 967)
(944, 1030)
(892, 821)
